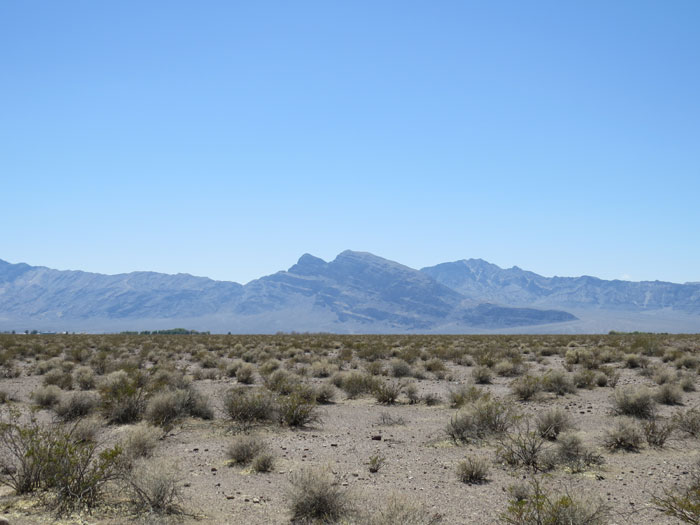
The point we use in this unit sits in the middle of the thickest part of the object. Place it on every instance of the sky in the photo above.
(225, 139)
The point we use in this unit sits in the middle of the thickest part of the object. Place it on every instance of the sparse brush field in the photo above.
(370, 429)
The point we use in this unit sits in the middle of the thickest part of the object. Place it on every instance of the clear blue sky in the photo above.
(227, 138)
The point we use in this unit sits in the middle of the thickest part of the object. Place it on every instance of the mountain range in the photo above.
(357, 292)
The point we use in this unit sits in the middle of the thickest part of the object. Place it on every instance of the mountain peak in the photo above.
(308, 264)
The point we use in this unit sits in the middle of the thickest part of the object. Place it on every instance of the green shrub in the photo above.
(122, 398)
(540, 507)
(682, 503)
(296, 411)
(355, 384)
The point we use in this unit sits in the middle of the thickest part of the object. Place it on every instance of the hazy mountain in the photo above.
(482, 281)
(357, 292)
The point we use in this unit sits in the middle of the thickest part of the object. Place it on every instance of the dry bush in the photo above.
(481, 419)
(263, 462)
(166, 407)
(85, 377)
(248, 405)
(657, 432)
(314, 496)
(669, 394)
(552, 422)
(387, 392)
(355, 384)
(472, 470)
(558, 382)
(47, 396)
(464, 394)
(141, 440)
(245, 374)
(401, 510)
(244, 449)
(526, 387)
(75, 406)
(625, 435)
(688, 421)
(400, 368)
(524, 448)
(325, 394)
(63, 380)
(573, 454)
(154, 486)
(634, 401)
(482, 375)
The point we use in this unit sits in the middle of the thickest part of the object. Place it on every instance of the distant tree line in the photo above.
(171, 331)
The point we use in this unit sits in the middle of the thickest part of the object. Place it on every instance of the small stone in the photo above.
(377, 438)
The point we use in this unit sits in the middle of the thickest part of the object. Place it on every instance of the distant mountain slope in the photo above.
(355, 292)
(483, 281)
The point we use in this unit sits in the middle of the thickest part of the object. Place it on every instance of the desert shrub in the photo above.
(472, 470)
(669, 394)
(50, 458)
(387, 392)
(687, 383)
(296, 411)
(524, 448)
(411, 391)
(263, 462)
(63, 380)
(385, 418)
(464, 394)
(432, 399)
(77, 405)
(403, 510)
(482, 375)
(636, 361)
(435, 365)
(324, 394)
(322, 369)
(154, 486)
(584, 378)
(355, 384)
(634, 401)
(375, 462)
(400, 368)
(85, 377)
(625, 435)
(4, 397)
(526, 387)
(375, 368)
(601, 379)
(552, 422)
(246, 405)
(122, 398)
(282, 382)
(166, 407)
(245, 374)
(558, 382)
(687, 361)
(140, 442)
(537, 506)
(314, 496)
(657, 432)
(481, 419)
(86, 429)
(47, 396)
(572, 453)
(683, 503)
(244, 448)
(688, 421)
